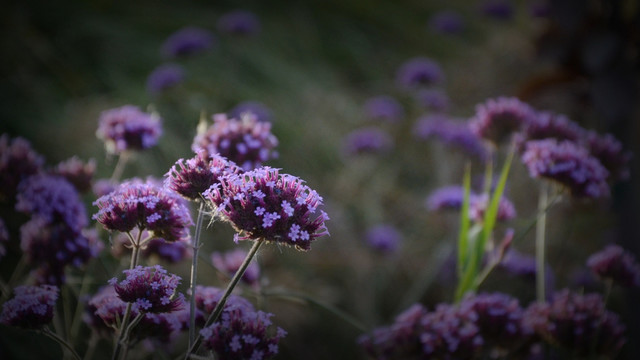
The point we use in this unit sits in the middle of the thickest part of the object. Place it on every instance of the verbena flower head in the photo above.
(256, 108)
(239, 22)
(445, 198)
(433, 99)
(478, 205)
(450, 332)
(419, 72)
(4, 238)
(497, 9)
(165, 77)
(264, 204)
(614, 263)
(32, 307)
(451, 133)
(446, 22)
(192, 177)
(497, 119)
(578, 323)
(207, 297)
(383, 238)
(150, 289)
(187, 41)
(547, 124)
(229, 262)
(383, 108)
(18, 161)
(245, 141)
(145, 206)
(609, 151)
(128, 128)
(367, 140)
(568, 164)
(77, 172)
(171, 252)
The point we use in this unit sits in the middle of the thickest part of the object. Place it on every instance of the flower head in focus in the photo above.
(128, 128)
(32, 307)
(192, 177)
(150, 289)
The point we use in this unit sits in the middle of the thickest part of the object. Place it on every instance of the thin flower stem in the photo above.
(123, 158)
(194, 274)
(127, 332)
(62, 342)
(220, 305)
(540, 242)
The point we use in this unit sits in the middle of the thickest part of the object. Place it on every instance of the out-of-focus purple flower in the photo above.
(367, 140)
(569, 164)
(419, 72)
(264, 204)
(172, 252)
(478, 205)
(257, 109)
(497, 9)
(383, 108)
(187, 41)
(446, 22)
(77, 172)
(18, 161)
(104, 186)
(128, 128)
(614, 263)
(497, 119)
(192, 177)
(547, 124)
(150, 289)
(229, 262)
(239, 22)
(207, 297)
(450, 332)
(433, 99)
(383, 238)
(246, 142)
(145, 206)
(4, 238)
(445, 198)
(519, 264)
(608, 150)
(579, 323)
(451, 133)
(32, 307)
(164, 77)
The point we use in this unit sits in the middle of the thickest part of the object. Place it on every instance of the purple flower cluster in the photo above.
(547, 124)
(145, 206)
(451, 197)
(614, 263)
(608, 150)
(165, 77)
(150, 289)
(18, 161)
(451, 133)
(32, 307)
(77, 172)
(446, 198)
(497, 119)
(172, 252)
(433, 99)
(419, 72)
(367, 140)
(264, 204)
(128, 128)
(257, 109)
(229, 262)
(446, 22)
(207, 297)
(239, 22)
(478, 205)
(192, 177)
(187, 41)
(383, 238)
(567, 163)
(578, 323)
(383, 108)
(245, 141)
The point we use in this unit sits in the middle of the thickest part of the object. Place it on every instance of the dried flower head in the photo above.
(229, 262)
(18, 161)
(128, 128)
(255, 108)
(32, 307)
(497, 119)
(245, 141)
(239, 22)
(150, 289)
(419, 72)
(145, 206)
(383, 238)
(383, 108)
(191, 177)
(367, 140)
(451, 133)
(264, 204)
(165, 77)
(77, 172)
(614, 263)
(187, 41)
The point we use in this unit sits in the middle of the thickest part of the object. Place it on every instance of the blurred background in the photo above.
(311, 66)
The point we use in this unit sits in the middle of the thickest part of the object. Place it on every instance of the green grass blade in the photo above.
(463, 235)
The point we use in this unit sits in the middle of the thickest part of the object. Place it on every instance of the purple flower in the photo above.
(446, 22)
(147, 207)
(551, 125)
(419, 72)
(207, 297)
(150, 289)
(172, 252)
(497, 119)
(164, 77)
(104, 186)
(4, 238)
(191, 177)
(264, 204)
(519, 264)
(32, 307)
(451, 133)
(448, 197)
(383, 108)
(239, 22)
(578, 323)
(367, 140)
(229, 262)
(567, 163)
(257, 109)
(497, 9)
(246, 142)
(478, 205)
(614, 263)
(450, 332)
(187, 41)
(433, 99)
(77, 172)
(383, 238)
(608, 150)
(128, 128)
(18, 161)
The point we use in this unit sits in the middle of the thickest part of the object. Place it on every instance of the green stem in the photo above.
(194, 274)
(127, 333)
(540, 242)
(220, 305)
(119, 169)
(61, 341)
